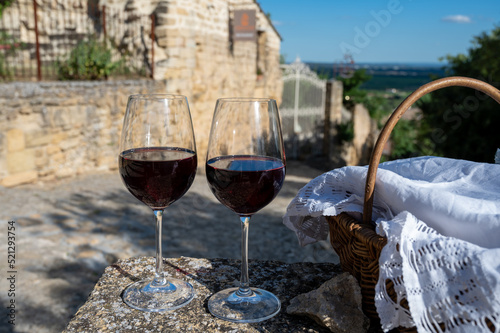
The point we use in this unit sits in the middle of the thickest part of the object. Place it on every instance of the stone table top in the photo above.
(105, 311)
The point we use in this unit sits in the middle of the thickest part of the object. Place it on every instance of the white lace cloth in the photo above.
(444, 217)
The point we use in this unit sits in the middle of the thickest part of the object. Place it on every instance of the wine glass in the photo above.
(245, 169)
(157, 164)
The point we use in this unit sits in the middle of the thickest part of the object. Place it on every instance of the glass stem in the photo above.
(159, 279)
(244, 289)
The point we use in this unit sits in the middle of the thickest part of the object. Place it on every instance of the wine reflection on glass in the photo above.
(157, 164)
(245, 169)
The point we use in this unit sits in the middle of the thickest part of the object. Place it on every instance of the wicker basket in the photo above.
(356, 242)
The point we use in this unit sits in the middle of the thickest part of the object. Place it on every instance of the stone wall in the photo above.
(194, 52)
(198, 58)
(52, 130)
(60, 129)
(358, 151)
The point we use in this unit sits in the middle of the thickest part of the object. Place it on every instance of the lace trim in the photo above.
(327, 195)
(445, 284)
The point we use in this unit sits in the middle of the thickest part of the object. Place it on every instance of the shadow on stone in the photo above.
(105, 307)
(84, 228)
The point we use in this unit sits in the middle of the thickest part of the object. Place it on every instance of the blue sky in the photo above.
(402, 31)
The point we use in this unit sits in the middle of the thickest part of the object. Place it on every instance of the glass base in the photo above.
(143, 296)
(258, 306)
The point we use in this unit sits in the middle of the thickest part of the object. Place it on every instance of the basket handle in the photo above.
(396, 115)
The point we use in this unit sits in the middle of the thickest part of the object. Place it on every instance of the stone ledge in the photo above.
(105, 311)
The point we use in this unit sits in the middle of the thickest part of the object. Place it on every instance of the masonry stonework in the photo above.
(55, 129)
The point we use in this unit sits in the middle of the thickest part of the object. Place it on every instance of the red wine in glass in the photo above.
(157, 163)
(245, 169)
(158, 176)
(245, 184)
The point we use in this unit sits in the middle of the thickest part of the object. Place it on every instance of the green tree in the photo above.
(352, 92)
(461, 122)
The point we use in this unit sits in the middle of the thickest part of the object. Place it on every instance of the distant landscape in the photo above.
(402, 77)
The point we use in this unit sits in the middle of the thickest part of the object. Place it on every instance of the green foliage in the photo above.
(377, 107)
(404, 139)
(322, 76)
(352, 92)
(5, 4)
(399, 82)
(89, 60)
(10, 46)
(404, 135)
(4, 69)
(460, 122)
(5, 40)
(345, 132)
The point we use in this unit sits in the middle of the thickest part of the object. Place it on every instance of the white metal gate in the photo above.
(302, 110)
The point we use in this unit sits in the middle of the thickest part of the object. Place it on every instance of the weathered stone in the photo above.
(59, 137)
(41, 159)
(69, 143)
(56, 279)
(336, 305)
(108, 161)
(21, 161)
(53, 149)
(37, 137)
(63, 172)
(192, 56)
(19, 178)
(364, 134)
(15, 140)
(105, 311)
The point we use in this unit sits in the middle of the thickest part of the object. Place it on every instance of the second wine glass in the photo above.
(245, 170)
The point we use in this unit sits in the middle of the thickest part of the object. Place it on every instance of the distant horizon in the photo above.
(381, 63)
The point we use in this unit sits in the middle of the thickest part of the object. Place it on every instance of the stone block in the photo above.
(69, 143)
(182, 11)
(36, 138)
(20, 161)
(48, 177)
(25, 110)
(59, 137)
(53, 149)
(69, 101)
(66, 117)
(65, 172)
(41, 158)
(161, 33)
(15, 140)
(58, 158)
(335, 305)
(165, 20)
(108, 161)
(20, 178)
(3, 165)
(105, 307)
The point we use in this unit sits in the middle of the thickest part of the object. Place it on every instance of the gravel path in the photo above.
(68, 231)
